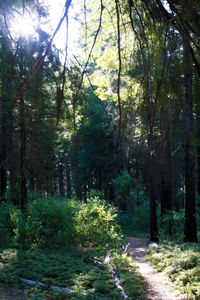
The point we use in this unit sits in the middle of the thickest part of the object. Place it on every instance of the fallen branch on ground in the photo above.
(114, 274)
(31, 282)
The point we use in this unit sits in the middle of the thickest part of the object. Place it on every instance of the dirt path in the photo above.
(158, 286)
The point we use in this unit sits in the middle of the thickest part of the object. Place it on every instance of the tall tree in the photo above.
(190, 229)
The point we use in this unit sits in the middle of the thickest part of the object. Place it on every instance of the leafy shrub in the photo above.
(175, 221)
(8, 224)
(53, 223)
(123, 196)
(129, 192)
(49, 223)
(136, 224)
(96, 223)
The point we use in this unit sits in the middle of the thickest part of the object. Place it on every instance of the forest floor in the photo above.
(7, 294)
(158, 285)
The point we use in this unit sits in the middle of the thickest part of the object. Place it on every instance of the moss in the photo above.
(182, 263)
(67, 269)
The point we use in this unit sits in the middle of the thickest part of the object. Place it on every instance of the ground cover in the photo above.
(75, 270)
(181, 261)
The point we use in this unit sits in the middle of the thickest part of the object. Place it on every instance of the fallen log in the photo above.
(93, 261)
(114, 274)
(87, 260)
(32, 282)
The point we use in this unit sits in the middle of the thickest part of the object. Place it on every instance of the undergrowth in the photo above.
(137, 224)
(50, 223)
(181, 262)
(55, 242)
(69, 269)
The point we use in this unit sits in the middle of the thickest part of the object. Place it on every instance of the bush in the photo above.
(53, 223)
(129, 193)
(8, 224)
(123, 196)
(96, 223)
(175, 221)
(136, 224)
(49, 223)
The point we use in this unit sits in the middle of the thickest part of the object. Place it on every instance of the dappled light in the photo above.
(99, 149)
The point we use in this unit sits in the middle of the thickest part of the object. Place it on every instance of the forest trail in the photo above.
(158, 286)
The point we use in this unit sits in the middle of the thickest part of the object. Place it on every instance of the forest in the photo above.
(99, 147)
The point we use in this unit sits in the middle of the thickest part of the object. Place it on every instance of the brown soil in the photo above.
(159, 286)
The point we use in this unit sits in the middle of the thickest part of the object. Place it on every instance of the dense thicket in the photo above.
(121, 117)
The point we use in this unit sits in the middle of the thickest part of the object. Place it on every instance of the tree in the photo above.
(190, 230)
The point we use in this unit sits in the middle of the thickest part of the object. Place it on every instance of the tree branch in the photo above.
(39, 62)
(119, 70)
(90, 54)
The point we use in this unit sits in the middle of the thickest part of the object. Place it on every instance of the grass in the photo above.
(182, 264)
(68, 269)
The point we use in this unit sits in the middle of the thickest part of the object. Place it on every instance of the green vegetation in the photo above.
(97, 140)
(68, 269)
(181, 261)
(136, 224)
(58, 242)
(52, 223)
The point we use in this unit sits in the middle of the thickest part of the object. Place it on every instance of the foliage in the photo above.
(175, 221)
(9, 217)
(52, 223)
(123, 195)
(132, 283)
(136, 219)
(137, 224)
(96, 223)
(181, 262)
(67, 269)
(49, 223)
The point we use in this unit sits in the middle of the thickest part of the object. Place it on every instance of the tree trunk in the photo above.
(3, 156)
(60, 181)
(85, 193)
(166, 184)
(198, 171)
(31, 164)
(190, 231)
(99, 179)
(151, 177)
(23, 196)
(198, 152)
(68, 179)
(13, 178)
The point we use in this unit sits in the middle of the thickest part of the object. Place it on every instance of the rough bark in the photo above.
(190, 231)
(3, 156)
(12, 166)
(60, 181)
(152, 193)
(23, 196)
(166, 184)
(68, 180)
